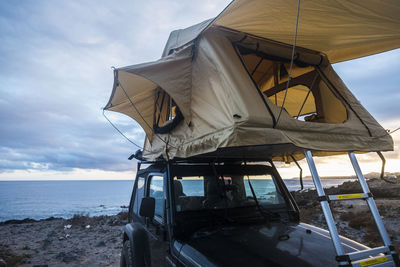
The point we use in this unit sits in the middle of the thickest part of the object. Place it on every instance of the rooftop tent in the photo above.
(218, 90)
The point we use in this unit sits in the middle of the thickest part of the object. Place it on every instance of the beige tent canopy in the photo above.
(220, 86)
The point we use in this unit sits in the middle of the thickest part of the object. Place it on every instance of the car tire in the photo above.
(122, 262)
(126, 255)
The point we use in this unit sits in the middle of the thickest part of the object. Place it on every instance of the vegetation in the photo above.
(10, 258)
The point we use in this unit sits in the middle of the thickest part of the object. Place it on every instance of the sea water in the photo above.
(43, 199)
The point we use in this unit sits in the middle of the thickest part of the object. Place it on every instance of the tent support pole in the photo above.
(383, 163)
(301, 172)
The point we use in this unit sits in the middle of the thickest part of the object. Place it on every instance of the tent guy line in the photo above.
(141, 116)
(291, 65)
(119, 131)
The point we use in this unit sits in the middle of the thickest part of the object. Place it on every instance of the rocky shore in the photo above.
(96, 241)
(79, 241)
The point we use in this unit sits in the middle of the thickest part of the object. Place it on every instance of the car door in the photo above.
(156, 227)
(137, 194)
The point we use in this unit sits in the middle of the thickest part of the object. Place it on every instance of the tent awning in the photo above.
(343, 30)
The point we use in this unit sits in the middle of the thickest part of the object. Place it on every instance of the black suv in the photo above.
(220, 214)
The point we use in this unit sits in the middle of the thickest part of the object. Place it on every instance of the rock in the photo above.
(66, 257)
(115, 221)
(61, 238)
(123, 215)
(87, 226)
(46, 243)
(101, 244)
(26, 220)
(49, 219)
(68, 226)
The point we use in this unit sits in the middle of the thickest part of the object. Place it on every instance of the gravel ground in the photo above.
(80, 241)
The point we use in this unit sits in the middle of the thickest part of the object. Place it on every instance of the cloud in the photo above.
(55, 77)
(375, 82)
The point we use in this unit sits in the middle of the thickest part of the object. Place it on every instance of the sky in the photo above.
(56, 76)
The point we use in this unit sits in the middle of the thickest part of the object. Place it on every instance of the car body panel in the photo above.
(270, 244)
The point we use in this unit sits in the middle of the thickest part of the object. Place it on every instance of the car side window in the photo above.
(139, 195)
(157, 192)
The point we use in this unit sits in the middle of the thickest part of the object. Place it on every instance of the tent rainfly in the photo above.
(221, 85)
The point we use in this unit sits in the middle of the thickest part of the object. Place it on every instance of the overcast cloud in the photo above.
(55, 76)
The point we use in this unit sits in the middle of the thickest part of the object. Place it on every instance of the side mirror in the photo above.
(147, 207)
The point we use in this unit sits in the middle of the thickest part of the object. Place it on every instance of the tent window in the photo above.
(166, 113)
(299, 106)
(308, 98)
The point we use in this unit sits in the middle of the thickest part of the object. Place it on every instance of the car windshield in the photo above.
(229, 191)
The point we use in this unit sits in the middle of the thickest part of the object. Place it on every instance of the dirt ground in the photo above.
(80, 241)
(96, 241)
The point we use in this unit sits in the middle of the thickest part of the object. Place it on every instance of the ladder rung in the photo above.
(349, 196)
(367, 252)
(381, 261)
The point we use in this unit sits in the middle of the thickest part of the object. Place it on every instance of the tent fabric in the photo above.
(140, 82)
(181, 37)
(342, 29)
(228, 107)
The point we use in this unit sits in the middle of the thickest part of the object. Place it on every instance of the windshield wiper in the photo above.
(271, 214)
(220, 216)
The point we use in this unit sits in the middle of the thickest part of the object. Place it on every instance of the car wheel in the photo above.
(126, 255)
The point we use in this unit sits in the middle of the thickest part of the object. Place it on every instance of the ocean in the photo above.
(43, 199)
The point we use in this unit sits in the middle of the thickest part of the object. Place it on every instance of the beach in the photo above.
(96, 241)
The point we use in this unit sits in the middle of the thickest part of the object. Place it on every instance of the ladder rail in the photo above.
(351, 259)
(325, 206)
(370, 201)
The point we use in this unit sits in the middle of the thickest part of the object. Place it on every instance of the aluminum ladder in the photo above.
(379, 256)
